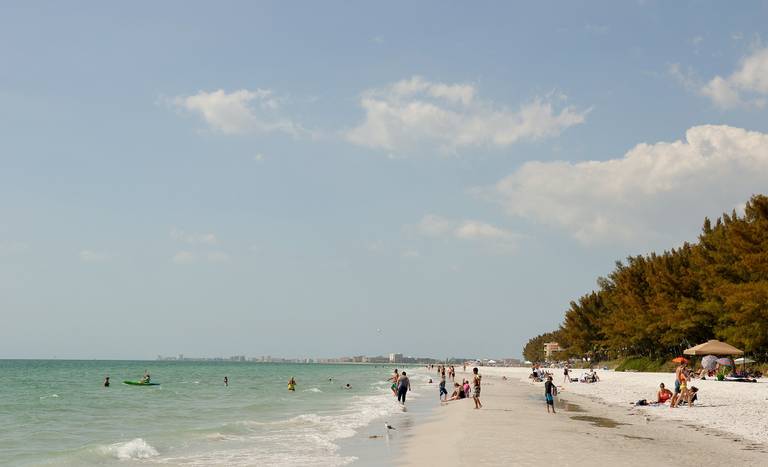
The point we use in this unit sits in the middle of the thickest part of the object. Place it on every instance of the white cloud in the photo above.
(470, 230)
(184, 257)
(416, 113)
(654, 191)
(91, 256)
(193, 238)
(748, 85)
(217, 257)
(410, 254)
(433, 225)
(241, 111)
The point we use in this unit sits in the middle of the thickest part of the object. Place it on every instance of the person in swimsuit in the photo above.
(550, 390)
(476, 381)
(106, 381)
(291, 384)
(679, 377)
(566, 379)
(395, 377)
(663, 395)
(226, 381)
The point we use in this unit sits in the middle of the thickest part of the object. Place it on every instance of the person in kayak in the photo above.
(147, 378)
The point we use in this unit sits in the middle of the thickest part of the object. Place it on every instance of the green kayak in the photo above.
(139, 383)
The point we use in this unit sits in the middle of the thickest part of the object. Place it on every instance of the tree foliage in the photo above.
(659, 304)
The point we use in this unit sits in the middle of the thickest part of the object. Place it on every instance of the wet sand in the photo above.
(513, 428)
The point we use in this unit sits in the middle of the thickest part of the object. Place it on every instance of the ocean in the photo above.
(57, 412)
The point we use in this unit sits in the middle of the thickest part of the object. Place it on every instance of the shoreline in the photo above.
(513, 428)
(375, 446)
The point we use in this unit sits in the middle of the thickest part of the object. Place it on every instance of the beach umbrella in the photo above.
(725, 361)
(713, 347)
(709, 362)
(680, 360)
(742, 360)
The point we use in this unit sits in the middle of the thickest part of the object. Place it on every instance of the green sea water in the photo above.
(57, 412)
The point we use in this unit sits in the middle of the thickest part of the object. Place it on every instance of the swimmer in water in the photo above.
(226, 381)
(106, 381)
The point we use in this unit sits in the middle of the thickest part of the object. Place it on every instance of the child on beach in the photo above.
(443, 391)
(550, 391)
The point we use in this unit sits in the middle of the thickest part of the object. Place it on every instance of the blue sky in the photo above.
(287, 179)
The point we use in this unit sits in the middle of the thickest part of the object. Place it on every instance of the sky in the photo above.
(318, 179)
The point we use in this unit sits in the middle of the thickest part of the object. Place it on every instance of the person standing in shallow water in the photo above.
(476, 379)
(226, 381)
(403, 386)
(106, 381)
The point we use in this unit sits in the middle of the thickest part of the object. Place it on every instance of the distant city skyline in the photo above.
(333, 178)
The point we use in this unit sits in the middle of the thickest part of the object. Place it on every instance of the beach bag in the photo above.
(554, 391)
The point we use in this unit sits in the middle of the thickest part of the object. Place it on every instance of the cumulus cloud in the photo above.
(184, 257)
(241, 111)
(193, 238)
(746, 86)
(415, 113)
(435, 226)
(91, 256)
(654, 191)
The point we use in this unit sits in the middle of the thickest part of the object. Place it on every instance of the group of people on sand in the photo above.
(682, 394)
(463, 390)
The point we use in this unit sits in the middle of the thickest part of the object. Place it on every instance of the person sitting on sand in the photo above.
(663, 395)
(691, 396)
(458, 393)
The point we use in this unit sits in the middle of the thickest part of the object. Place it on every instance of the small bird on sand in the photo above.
(390, 427)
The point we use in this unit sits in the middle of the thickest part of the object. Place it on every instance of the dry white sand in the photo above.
(513, 428)
(737, 408)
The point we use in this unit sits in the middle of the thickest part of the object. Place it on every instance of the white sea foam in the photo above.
(134, 449)
(313, 390)
(304, 440)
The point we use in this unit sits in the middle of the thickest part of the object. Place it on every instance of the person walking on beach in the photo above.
(550, 391)
(566, 378)
(443, 391)
(476, 382)
(403, 386)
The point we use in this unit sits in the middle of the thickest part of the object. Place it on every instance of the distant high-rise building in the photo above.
(395, 357)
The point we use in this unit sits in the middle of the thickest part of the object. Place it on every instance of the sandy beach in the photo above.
(595, 425)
